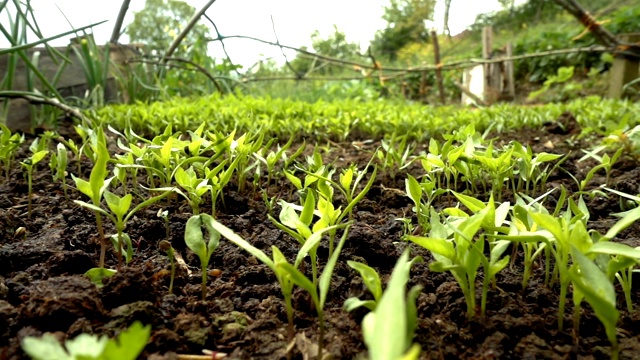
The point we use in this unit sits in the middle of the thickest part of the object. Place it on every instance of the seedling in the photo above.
(127, 346)
(318, 292)
(194, 186)
(166, 246)
(95, 187)
(59, 161)
(372, 282)
(388, 330)
(28, 164)
(195, 241)
(9, 143)
(454, 250)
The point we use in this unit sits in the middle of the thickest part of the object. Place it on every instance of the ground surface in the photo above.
(42, 288)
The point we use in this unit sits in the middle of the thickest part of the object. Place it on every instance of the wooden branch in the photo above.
(286, 60)
(224, 48)
(470, 94)
(163, 62)
(586, 19)
(190, 25)
(35, 98)
(115, 35)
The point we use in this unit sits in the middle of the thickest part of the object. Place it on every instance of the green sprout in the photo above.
(388, 330)
(194, 186)
(195, 241)
(59, 161)
(372, 282)
(127, 346)
(454, 250)
(9, 144)
(120, 214)
(166, 246)
(28, 164)
(95, 187)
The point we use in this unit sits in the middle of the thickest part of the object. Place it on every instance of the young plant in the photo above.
(127, 346)
(388, 330)
(166, 246)
(120, 214)
(455, 250)
(28, 164)
(195, 241)
(372, 282)
(591, 284)
(9, 143)
(286, 284)
(320, 291)
(95, 187)
(59, 161)
(415, 192)
(194, 186)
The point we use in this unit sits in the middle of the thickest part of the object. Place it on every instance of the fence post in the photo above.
(624, 69)
(436, 54)
(487, 48)
(509, 69)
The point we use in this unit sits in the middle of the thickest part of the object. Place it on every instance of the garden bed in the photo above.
(43, 289)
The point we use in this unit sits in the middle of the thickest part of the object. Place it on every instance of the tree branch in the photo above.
(35, 98)
(115, 35)
(190, 25)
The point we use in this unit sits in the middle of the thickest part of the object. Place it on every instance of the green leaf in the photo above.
(238, 240)
(353, 303)
(414, 189)
(327, 272)
(472, 203)
(439, 246)
(629, 218)
(96, 275)
(129, 344)
(612, 248)
(118, 205)
(83, 186)
(194, 239)
(299, 279)
(35, 158)
(214, 235)
(45, 348)
(369, 277)
(92, 207)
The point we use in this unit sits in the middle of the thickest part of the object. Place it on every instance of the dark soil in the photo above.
(42, 288)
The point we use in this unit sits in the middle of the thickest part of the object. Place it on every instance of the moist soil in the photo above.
(43, 289)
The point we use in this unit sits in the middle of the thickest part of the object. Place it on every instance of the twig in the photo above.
(190, 25)
(115, 35)
(35, 98)
(224, 48)
(286, 60)
(162, 62)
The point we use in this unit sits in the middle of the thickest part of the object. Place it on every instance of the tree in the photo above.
(161, 21)
(336, 45)
(405, 25)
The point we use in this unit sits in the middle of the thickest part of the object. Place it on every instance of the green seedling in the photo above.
(591, 284)
(59, 161)
(453, 246)
(195, 241)
(286, 284)
(95, 187)
(394, 154)
(415, 192)
(166, 246)
(605, 161)
(164, 214)
(271, 159)
(119, 213)
(9, 143)
(371, 281)
(96, 275)
(28, 164)
(218, 179)
(388, 330)
(195, 187)
(320, 291)
(127, 346)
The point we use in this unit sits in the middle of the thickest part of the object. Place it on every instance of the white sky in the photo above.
(295, 20)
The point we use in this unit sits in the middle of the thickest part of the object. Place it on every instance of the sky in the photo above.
(294, 21)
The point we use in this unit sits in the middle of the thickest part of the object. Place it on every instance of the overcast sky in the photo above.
(295, 20)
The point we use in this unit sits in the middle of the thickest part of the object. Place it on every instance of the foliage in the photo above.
(405, 24)
(335, 45)
(127, 346)
(160, 22)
